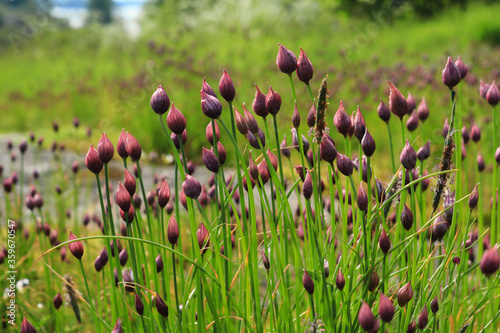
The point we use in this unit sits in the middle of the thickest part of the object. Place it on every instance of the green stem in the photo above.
(392, 148)
(90, 298)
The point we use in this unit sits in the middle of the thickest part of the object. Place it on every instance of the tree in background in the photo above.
(101, 11)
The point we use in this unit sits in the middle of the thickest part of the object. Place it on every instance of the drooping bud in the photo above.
(408, 156)
(397, 102)
(344, 165)
(384, 242)
(405, 294)
(368, 144)
(173, 230)
(475, 133)
(265, 260)
(286, 60)
(160, 101)
(133, 147)
(273, 102)
(304, 68)
(423, 318)
(163, 194)
(385, 308)
(407, 218)
(424, 152)
(176, 120)
(383, 111)
(342, 120)
(122, 198)
(490, 262)
(362, 198)
(308, 283)
(161, 307)
(307, 187)
(365, 317)
(210, 106)
(296, 117)
(226, 87)
(210, 160)
(451, 74)
(92, 161)
(76, 248)
(462, 68)
(493, 95)
(191, 187)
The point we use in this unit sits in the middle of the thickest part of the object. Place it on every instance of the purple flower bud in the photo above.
(139, 305)
(273, 102)
(129, 183)
(359, 125)
(210, 105)
(76, 248)
(307, 187)
(250, 120)
(383, 111)
(384, 242)
(308, 283)
(374, 281)
(344, 165)
(493, 95)
(412, 104)
(284, 148)
(451, 74)
(92, 161)
(123, 257)
(120, 145)
(176, 120)
(226, 87)
(368, 144)
(161, 307)
(342, 120)
(362, 198)
(191, 187)
(286, 60)
(160, 101)
(133, 147)
(263, 172)
(26, 327)
(241, 124)
(163, 194)
(296, 117)
(423, 318)
(159, 264)
(424, 152)
(406, 217)
(173, 230)
(385, 308)
(210, 160)
(490, 262)
(58, 301)
(365, 317)
(203, 237)
(105, 149)
(480, 163)
(340, 280)
(462, 68)
(304, 68)
(397, 102)
(327, 149)
(405, 294)
(205, 87)
(475, 133)
(122, 198)
(434, 305)
(265, 260)
(412, 122)
(483, 88)
(423, 110)
(408, 156)
(311, 117)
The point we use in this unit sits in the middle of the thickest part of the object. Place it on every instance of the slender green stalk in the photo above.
(89, 295)
(392, 149)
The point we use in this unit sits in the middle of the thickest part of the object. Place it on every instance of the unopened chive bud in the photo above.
(365, 317)
(362, 198)
(342, 120)
(383, 111)
(451, 74)
(202, 236)
(133, 147)
(412, 327)
(308, 283)
(296, 117)
(173, 230)
(265, 260)
(493, 95)
(241, 124)
(483, 89)
(423, 318)
(159, 264)
(263, 172)
(160, 101)
(210, 160)
(307, 187)
(58, 301)
(273, 102)
(139, 305)
(423, 110)
(286, 60)
(226, 87)
(397, 103)
(176, 121)
(304, 68)
(161, 307)
(384, 242)
(120, 145)
(191, 187)
(273, 159)
(378, 190)
(105, 149)
(122, 198)
(92, 161)
(76, 248)
(408, 156)
(480, 163)
(374, 281)
(26, 327)
(123, 257)
(385, 308)
(424, 152)
(311, 117)
(128, 216)
(340, 280)
(359, 125)
(412, 104)
(163, 194)
(368, 144)
(250, 121)
(490, 262)
(405, 294)
(301, 171)
(327, 149)
(462, 68)
(210, 105)
(434, 305)
(406, 217)
(475, 133)
(284, 147)
(412, 122)
(205, 87)
(344, 165)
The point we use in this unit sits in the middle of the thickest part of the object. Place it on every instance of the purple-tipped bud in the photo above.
(368, 144)
(311, 117)
(342, 120)
(209, 133)
(301, 171)
(480, 163)
(265, 260)
(123, 257)
(241, 124)
(296, 117)
(483, 89)
(374, 281)
(133, 147)
(273, 159)
(412, 122)
(160, 101)
(159, 264)
(406, 218)
(284, 148)
(362, 198)
(423, 110)
(205, 87)
(120, 145)
(76, 248)
(122, 198)
(176, 120)
(105, 149)
(273, 102)
(451, 74)
(104, 257)
(327, 149)
(221, 151)
(340, 280)
(202, 236)
(475, 133)
(139, 305)
(250, 120)
(210, 105)
(405, 294)
(412, 327)
(308, 283)
(365, 317)
(385, 308)
(423, 318)
(92, 161)
(384, 242)
(259, 104)
(462, 68)
(490, 262)
(26, 327)
(412, 104)
(493, 95)
(304, 68)
(307, 187)
(252, 167)
(397, 102)
(161, 307)
(359, 125)
(118, 327)
(191, 187)
(58, 301)
(424, 152)
(434, 305)
(210, 160)
(383, 111)
(226, 87)
(408, 156)
(98, 264)
(163, 194)
(286, 60)
(344, 165)
(263, 172)
(173, 230)
(129, 215)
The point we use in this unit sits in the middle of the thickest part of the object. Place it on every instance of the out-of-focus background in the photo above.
(100, 60)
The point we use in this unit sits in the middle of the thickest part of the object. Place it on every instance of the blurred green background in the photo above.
(60, 60)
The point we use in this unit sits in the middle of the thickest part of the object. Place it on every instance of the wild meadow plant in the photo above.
(311, 240)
